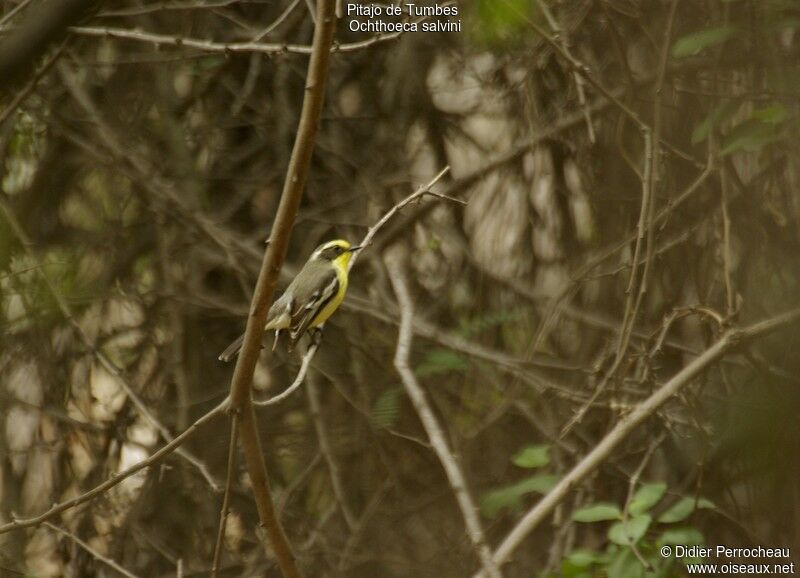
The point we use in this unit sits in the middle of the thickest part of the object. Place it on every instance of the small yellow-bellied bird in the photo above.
(310, 298)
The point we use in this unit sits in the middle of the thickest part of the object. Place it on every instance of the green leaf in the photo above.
(501, 22)
(510, 497)
(646, 497)
(625, 565)
(583, 558)
(496, 500)
(679, 511)
(683, 508)
(386, 408)
(568, 570)
(577, 564)
(532, 456)
(773, 114)
(705, 504)
(693, 43)
(597, 513)
(751, 135)
(441, 361)
(687, 536)
(716, 117)
(629, 531)
(540, 483)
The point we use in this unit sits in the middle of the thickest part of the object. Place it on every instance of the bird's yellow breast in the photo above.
(340, 265)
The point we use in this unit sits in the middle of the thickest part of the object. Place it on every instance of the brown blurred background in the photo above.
(145, 172)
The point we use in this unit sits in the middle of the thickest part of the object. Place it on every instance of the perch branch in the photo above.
(242, 381)
(365, 242)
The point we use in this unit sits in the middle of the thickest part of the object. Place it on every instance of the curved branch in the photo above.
(455, 476)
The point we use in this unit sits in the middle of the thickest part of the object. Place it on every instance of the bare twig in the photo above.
(632, 295)
(361, 525)
(298, 380)
(118, 477)
(109, 366)
(44, 25)
(94, 553)
(646, 231)
(632, 487)
(420, 192)
(223, 514)
(561, 36)
(13, 12)
(730, 299)
(627, 424)
(232, 47)
(32, 83)
(554, 307)
(394, 263)
(277, 22)
(312, 392)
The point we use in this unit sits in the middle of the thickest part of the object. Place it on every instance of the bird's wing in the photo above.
(306, 310)
(279, 316)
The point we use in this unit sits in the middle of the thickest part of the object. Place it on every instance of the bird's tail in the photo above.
(232, 350)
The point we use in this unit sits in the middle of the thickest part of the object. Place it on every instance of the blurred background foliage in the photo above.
(144, 177)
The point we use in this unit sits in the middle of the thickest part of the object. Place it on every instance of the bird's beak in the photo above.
(354, 249)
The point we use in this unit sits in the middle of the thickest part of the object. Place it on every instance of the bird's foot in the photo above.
(316, 336)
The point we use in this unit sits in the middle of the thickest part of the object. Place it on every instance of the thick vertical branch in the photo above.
(241, 385)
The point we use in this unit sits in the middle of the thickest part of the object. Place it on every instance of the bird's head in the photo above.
(338, 251)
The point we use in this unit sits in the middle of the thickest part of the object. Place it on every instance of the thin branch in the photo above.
(632, 488)
(298, 380)
(94, 553)
(358, 532)
(223, 514)
(646, 231)
(109, 366)
(312, 392)
(118, 477)
(32, 83)
(730, 298)
(232, 47)
(628, 423)
(420, 192)
(277, 22)
(13, 12)
(166, 7)
(556, 302)
(394, 263)
(558, 33)
(43, 26)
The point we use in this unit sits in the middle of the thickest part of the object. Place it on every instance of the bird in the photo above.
(310, 299)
